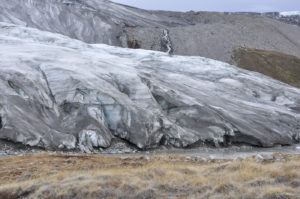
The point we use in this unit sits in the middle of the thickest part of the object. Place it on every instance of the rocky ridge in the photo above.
(287, 17)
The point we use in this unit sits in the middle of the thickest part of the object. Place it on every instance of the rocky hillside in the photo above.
(207, 34)
(61, 93)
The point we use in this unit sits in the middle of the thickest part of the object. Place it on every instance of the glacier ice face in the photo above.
(60, 93)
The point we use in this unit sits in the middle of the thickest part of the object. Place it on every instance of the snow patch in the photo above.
(290, 13)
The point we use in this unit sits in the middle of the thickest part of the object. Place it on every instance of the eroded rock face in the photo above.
(59, 93)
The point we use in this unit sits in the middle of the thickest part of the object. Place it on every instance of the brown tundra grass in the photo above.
(54, 176)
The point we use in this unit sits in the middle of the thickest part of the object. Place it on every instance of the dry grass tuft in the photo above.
(279, 193)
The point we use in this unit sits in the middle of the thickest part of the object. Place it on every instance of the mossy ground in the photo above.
(285, 68)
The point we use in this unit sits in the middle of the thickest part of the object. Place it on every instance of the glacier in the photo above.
(60, 93)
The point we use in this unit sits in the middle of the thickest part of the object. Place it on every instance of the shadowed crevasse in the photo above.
(1, 123)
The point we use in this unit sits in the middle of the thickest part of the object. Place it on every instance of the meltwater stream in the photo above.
(234, 152)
